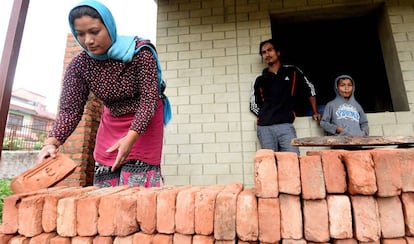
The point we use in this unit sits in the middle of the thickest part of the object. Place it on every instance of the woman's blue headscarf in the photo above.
(122, 48)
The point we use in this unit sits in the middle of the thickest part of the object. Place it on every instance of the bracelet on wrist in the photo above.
(49, 144)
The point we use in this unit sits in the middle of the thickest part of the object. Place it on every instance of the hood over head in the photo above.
(336, 85)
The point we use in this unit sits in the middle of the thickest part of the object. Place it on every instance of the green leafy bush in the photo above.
(4, 192)
(38, 145)
(16, 144)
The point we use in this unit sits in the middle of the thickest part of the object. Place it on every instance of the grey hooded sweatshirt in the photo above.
(347, 114)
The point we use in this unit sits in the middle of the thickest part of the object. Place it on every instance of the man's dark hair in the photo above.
(83, 11)
(271, 41)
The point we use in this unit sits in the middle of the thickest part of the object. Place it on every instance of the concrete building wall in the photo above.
(208, 51)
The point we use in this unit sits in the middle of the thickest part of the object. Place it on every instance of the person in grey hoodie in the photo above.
(344, 116)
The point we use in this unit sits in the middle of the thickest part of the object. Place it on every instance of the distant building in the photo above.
(27, 121)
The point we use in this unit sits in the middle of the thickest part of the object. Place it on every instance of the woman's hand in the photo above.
(48, 150)
(123, 146)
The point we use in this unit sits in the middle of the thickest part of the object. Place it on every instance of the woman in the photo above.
(123, 72)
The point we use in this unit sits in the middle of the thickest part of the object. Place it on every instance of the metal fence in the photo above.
(23, 137)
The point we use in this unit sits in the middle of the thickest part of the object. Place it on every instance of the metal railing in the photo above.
(23, 137)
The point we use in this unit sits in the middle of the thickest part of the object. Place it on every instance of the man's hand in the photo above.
(317, 117)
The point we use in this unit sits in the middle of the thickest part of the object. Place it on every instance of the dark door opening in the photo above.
(326, 48)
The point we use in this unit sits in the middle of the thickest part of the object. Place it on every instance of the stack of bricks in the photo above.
(338, 196)
(327, 196)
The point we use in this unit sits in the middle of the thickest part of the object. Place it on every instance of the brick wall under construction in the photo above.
(327, 196)
(79, 146)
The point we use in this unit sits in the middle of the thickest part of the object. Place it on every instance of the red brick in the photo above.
(225, 212)
(203, 239)
(160, 238)
(333, 171)
(30, 215)
(112, 213)
(103, 240)
(166, 199)
(10, 216)
(182, 238)
(393, 241)
(288, 172)
(367, 226)
(406, 158)
(345, 241)
(410, 240)
(269, 220)
(20, 240)
(247, 218)
(142, 238)
(204, 206)
(361, 173)
(340, 216)
(82, 240)
(43, 238)
(147, 210)
(225, 241)
(291, 225)
(61, 240)
(315, 220)
(5, 238)
(265, 174)
(391, 217)
(387, 172)
(311, 173)
(123, 239)
(66, 218)
(184, 213)
(293, 241)
(49, 213)
(247, 242)
(372, 242)
(44, 174)
(408, 208)
(126, 215)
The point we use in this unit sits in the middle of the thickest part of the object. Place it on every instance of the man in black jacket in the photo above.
(275, 92)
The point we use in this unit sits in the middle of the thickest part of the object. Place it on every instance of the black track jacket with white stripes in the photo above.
(276, 94)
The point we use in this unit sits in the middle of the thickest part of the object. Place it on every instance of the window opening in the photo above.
(326, 44)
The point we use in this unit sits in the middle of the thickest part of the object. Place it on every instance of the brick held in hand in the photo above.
(44, 174)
